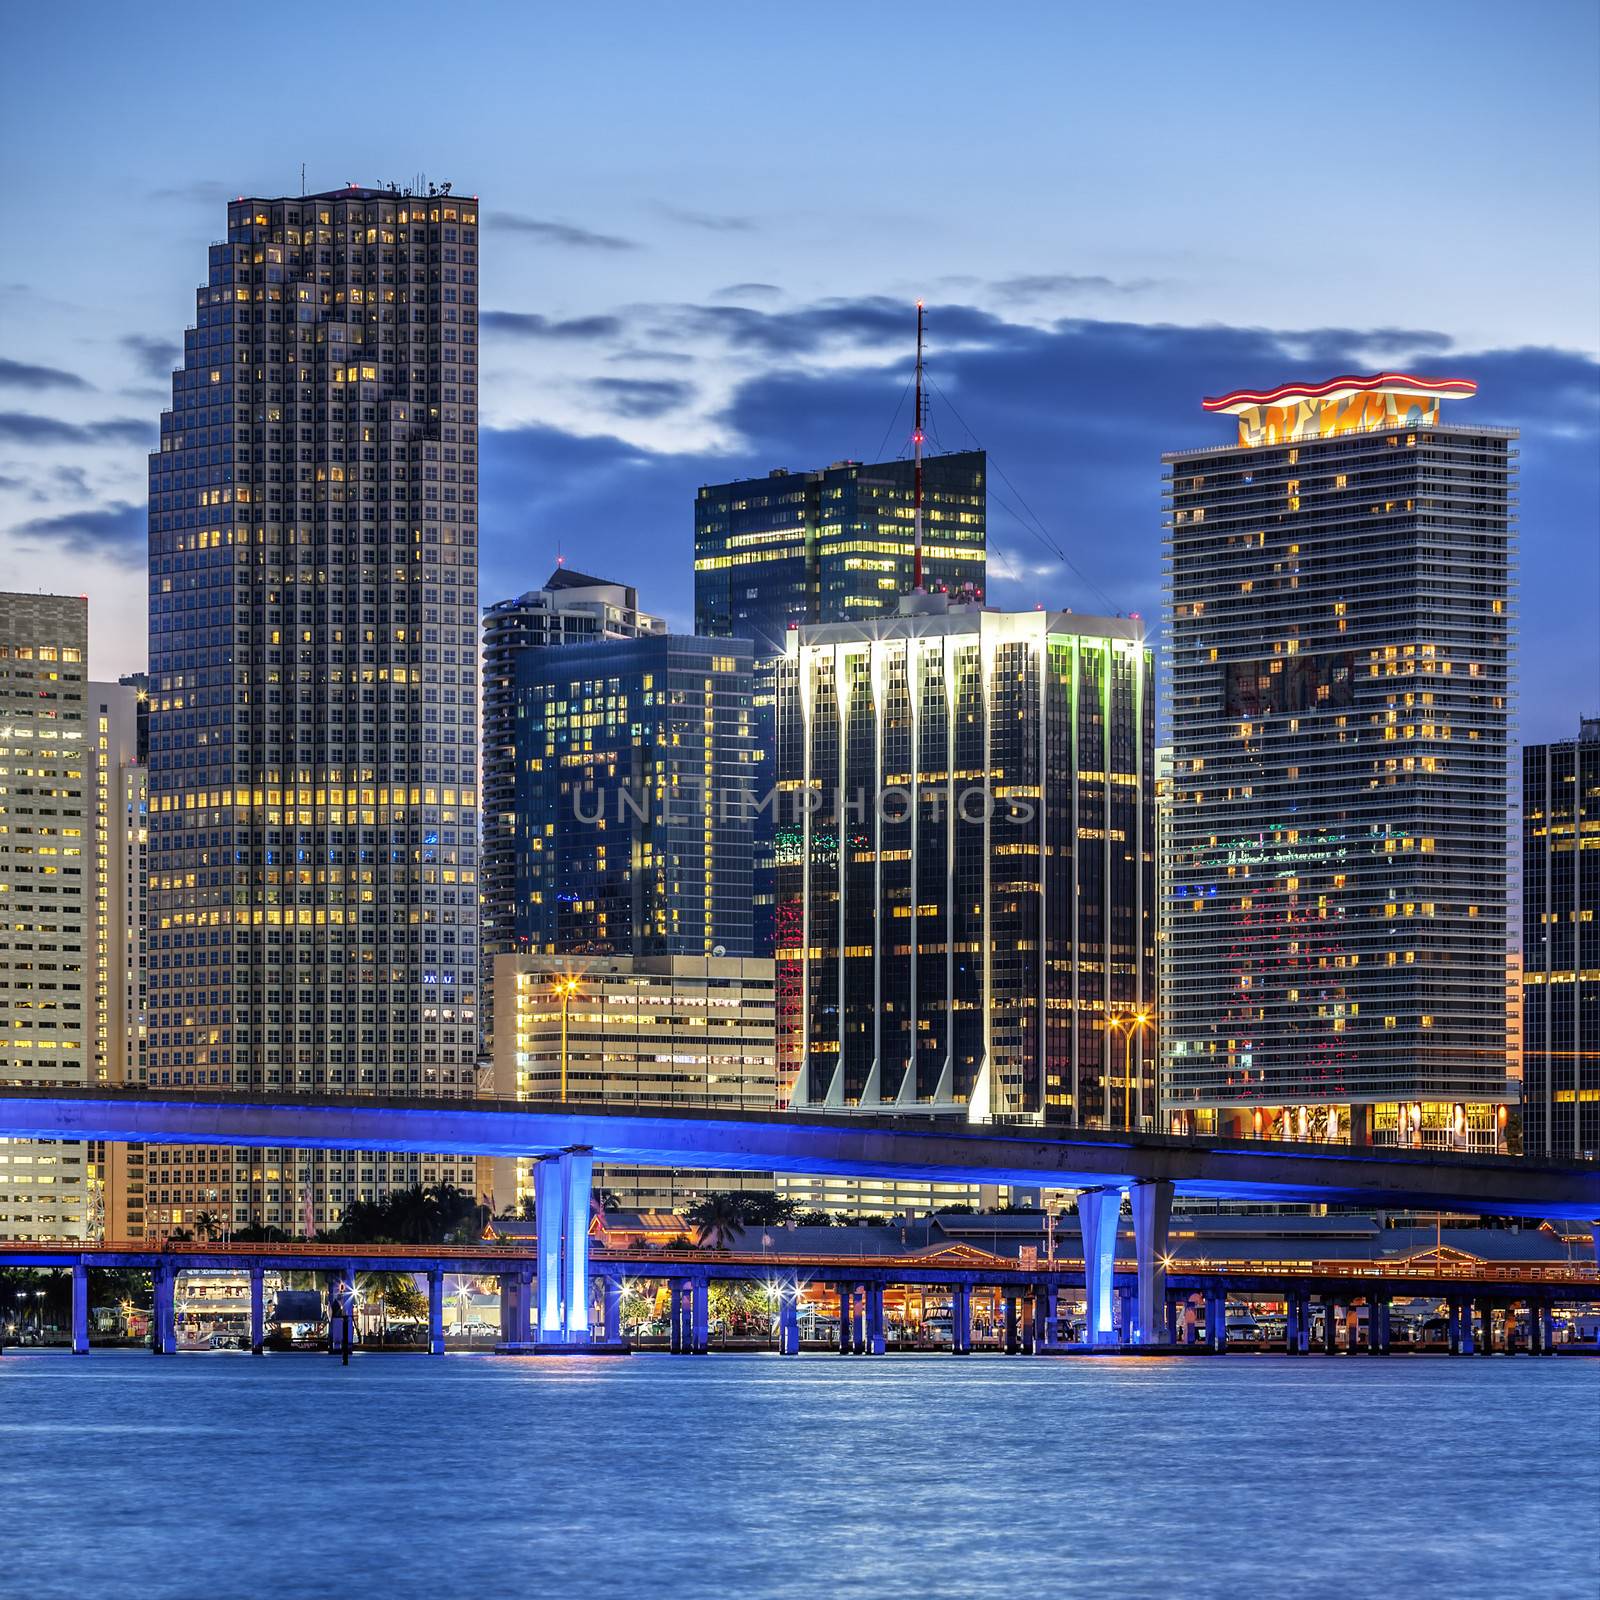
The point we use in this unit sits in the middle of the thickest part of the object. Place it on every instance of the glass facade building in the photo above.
(833, 545)
(572, 608)
(1561, 946)
(1339, 597)
(966, 866)
(634, 798)
(313, 917)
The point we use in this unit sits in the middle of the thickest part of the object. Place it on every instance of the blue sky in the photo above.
(705, 225)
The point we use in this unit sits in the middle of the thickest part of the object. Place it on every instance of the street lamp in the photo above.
(565, 987)
(1127, 1026)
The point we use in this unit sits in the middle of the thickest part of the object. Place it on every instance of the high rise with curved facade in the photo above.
(313, 696)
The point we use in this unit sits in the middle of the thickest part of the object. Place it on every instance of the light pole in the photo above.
(1127, 1026)
(566, 987)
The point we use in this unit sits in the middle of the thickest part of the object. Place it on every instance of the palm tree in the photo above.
(207, 1226)
(718, 1221)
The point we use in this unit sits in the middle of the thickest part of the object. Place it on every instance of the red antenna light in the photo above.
(916, 441)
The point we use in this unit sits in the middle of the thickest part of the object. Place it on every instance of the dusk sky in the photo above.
(705, 227)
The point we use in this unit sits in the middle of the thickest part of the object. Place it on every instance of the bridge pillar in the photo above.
(844, 1319)
(1486, 1314)
(858, 1319)
(80, 1309)
(163, 1310)
(1217, 1319)
(961, 1319)
(258, 1310)
(436, 1311)
(1173, 1317)
(789, 1316)
(613, 1310)
(675, 1316)
(1378, 1326)
(1032, 1307)
(1049, 1316)
(700, 1311)
(1098, 1211)
(548, 1216)
(1330, 1326)
(1013, 1342)
(1547, 1329)
(877, 1324)
(1291, 1325)
(577, 1186)
(1466, 1328)
(1152, 1225)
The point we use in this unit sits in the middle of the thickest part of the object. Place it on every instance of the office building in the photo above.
(1561, 946)
(635, 1031)
(48, 933)
(116, 1172)
(1339, 604)
(572, 608)
(834, 545)
(633, 798)
(966, 914)
(313, 562)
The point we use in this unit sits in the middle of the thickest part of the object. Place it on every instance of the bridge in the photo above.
(1027, 1292)
(1104, 1167)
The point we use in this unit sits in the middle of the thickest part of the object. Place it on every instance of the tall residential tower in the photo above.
(1339, 602)
(1561, 946)
(313, 695)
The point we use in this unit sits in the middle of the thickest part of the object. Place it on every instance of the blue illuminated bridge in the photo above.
(565, 1141)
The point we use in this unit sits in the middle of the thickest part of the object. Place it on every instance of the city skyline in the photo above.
(647, 348)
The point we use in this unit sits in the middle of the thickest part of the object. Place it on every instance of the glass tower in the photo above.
(635, 764)
(1335, 927)
(572, 608)
(834, 545)
(313, 688)
(966, 867)
(1561, 946)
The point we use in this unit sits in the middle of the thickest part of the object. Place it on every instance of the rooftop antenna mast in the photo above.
(916, 444)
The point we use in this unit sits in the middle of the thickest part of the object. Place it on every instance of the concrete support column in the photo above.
(1098, 1211)
(700, 1313)
(1152, 1224)
(844, 1319)
(1050, 1316)
(163, 1313)
(577, 1193)
(675, 1316)
(1378, 1326)
(1291, 1327)
(1217, 1320)
(1013, 1343)
(789, 1317)
(1486, 1314)
(613, 1311)
(436, 1311)
(1547, 1329)
(258, 1311)
(1032, 1308)
(1465, 1328)
(547, 1207)
(858, 1319)
(80, 1309)
(1330, 1326)
(1174, 1317)
(961, 1319)
(877, 1321)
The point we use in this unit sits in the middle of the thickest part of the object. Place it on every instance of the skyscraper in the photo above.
(1561, 945)
(1339, 603)
(313, 663)
(834, 545)
(572, 608)
(966, 888)
(47, 887)
(633, 804)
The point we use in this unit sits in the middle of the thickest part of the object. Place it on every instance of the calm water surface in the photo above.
(476, 1476)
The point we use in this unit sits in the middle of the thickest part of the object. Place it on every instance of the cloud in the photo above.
(199, 191)
(743, 291)
(1076, 416)
(28, 428)
(531, 325)
(20, 375)
(1050, 285)
(114, 533)
(559, 233)
(155, 358)
(642, 397)
(709, 221)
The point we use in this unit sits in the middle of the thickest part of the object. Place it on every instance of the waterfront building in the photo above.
(1339, 602)
(48, 934)
(634, 1031)
(634, 763)
(966, 911)
(833, 545)
(1561, 945)
(313, 552)
(572, 608)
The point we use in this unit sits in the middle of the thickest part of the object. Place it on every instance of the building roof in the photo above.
(1341, 388)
